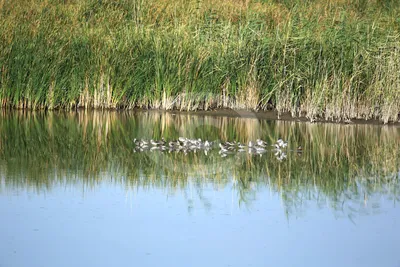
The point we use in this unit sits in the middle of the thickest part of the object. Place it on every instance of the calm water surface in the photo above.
(73, 192)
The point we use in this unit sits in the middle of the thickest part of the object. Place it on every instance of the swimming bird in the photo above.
(281, 143)
(143, 142)
(240, 145)
(172, 144)
(230, 143)
(299, 150)
(143, 146)
(162, 142)
(223, 148)
(154, 143)
(251, 144)
(261, 143)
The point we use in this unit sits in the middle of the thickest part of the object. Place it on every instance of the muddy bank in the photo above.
(264, 115)
(261, 115)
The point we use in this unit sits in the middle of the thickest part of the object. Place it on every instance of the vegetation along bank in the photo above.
(330, 59)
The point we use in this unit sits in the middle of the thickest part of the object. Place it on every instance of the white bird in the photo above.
(154, 143)
(207, 144)
(223, 149)
(281, 143)
(251, 144)
(241, 146)
(261, 142)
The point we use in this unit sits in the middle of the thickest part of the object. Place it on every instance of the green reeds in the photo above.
(335, 60)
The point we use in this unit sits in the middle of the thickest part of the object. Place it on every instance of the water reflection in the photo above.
(346, 167)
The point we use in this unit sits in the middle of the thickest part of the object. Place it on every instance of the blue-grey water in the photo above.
(74, 192)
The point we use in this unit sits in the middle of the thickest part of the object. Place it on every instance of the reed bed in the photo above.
(335, 60)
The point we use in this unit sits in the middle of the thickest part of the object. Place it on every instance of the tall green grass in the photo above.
(335, 60)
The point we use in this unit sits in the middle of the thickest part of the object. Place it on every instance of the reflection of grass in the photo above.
(334, 59)
(339, 163)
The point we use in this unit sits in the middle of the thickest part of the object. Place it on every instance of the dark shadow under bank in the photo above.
(230, 113)
(268, 115)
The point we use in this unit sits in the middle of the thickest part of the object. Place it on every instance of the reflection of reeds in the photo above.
(39, 150)
(336, 59)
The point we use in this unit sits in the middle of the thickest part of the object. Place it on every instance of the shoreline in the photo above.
(268, 115)
(272, 115)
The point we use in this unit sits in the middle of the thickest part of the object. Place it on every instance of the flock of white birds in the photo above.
(187, 145)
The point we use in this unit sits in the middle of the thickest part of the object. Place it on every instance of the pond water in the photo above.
(76, 191)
